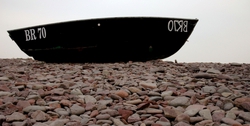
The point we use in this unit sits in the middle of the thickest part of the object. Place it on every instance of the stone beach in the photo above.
(152, 93)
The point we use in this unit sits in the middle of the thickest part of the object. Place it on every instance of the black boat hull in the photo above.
(105, 40)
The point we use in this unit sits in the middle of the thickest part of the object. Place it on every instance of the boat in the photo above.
(112, 39)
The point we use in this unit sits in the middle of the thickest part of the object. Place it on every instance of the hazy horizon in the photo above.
(221, 35)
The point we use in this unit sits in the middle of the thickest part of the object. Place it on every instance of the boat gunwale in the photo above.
(96, 19)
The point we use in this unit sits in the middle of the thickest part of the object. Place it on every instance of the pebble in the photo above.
(155, 93)
(180, 101)
(76, 109)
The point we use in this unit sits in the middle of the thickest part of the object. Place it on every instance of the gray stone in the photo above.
(34, 108)
(213, 71)
(206, 114)
(76, 92)
(180, 101)
(103, 116)
(148, 85)
(166, 93)
(4, 78)
(59, 122)
(153, 111)
(209, 89)
(245, 116)
(231, 115)
(194, 109)
(228, 106)
(134, 102)
(155, 98)
(16, 116)
(39, 116)
(3, 93)
(134, 118)
(182, 124)
(89, 98)
(76, 109)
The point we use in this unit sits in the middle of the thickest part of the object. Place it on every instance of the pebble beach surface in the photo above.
(153, 93)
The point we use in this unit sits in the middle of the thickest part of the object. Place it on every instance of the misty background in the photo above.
(221, 35)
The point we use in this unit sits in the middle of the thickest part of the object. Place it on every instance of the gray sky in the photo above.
(221, 35)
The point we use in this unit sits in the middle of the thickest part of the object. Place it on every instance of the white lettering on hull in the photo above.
(30, 34)
(178, 26)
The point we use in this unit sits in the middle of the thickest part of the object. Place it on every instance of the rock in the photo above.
(16, 116)
(213, 71)
(122, 93)
(125, 113)
(134, 89)
(117, 122)
(150, 120)
(104, 102)
(209, 89)
(134, 102)
(228, 106)
(163, 122)
(230, 121)
(218, 115)
(206, 114)
(111, 112)
(90, 106)
(155, 98)
(193, 109)
(153, 111)
(134, 118)
(222, 89)
(4, 78)
(75, 118)
(245, 116)
(128, 94)
(180, 101)
(103, 116)
(4, 88)
(205, 123)
(239, 101)
(76, 92)
(246, 106)
(58, 91)
(34, 108)
(89, 98)
(39, 116)
(204, 75)
(143, 105)
(195, 119)
(76, 109)
(231, 115)
(236, 64)
(94, 113)
(59, 122)
(169, 113)
(226, 94)
(4, 93)
(148, 85)
(66, 103)
(103, 122)
(182, 124)
(115, 97)
(183, 118)
(153, 93)
(166, 93)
